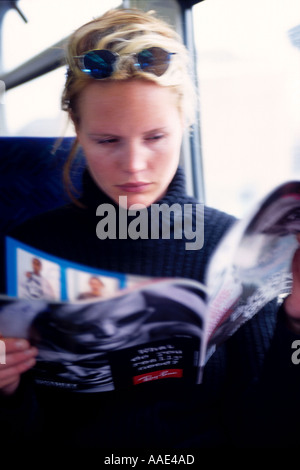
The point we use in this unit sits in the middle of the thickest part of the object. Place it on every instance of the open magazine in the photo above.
(99, 330)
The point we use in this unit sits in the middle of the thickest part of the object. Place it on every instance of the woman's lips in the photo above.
(137, 187)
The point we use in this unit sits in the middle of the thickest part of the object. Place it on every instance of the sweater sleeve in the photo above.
(264, 412)
(20, 415)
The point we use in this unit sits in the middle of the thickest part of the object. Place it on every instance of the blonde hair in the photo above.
(128, 31)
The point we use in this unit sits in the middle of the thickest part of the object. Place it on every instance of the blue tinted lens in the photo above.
(99, 64)
(154, 60)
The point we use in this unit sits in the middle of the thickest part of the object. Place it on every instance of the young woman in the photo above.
(130, 97)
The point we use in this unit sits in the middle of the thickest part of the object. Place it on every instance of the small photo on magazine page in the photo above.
(82, 285)
(37, 277)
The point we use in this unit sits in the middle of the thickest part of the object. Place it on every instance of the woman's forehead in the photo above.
(127, 102)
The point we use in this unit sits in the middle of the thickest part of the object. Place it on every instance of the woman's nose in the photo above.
(134, 158)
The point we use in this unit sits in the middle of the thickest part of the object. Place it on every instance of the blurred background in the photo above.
(247, 62)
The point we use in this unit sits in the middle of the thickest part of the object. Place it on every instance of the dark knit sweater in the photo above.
(247, 380)
(70, 232)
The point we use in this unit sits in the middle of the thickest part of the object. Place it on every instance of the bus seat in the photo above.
(31, 179)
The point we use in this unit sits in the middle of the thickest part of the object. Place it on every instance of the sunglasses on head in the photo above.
(102, 63)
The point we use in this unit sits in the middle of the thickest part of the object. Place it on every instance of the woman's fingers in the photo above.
(19, 357)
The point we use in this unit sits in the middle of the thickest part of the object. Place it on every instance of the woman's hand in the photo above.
(19, 357)
(292, 302)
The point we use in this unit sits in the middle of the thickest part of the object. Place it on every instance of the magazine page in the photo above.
(34, 274)
(135, 331)
(252, 264)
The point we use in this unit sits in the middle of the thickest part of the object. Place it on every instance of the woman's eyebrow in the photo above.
(158, 129)
(113, 134)
(102, 134)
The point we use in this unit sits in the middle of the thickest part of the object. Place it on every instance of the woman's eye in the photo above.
(155, 137)
(107, 141)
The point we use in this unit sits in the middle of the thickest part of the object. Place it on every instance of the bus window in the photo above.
(248, 73)
(33, 108)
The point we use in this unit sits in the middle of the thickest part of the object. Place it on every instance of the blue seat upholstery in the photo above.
(31, 179)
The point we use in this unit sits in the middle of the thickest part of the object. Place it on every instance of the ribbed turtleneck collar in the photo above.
(92, 195)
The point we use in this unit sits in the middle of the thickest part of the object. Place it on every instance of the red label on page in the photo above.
(159, 374)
